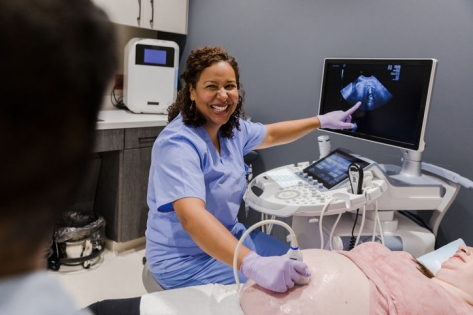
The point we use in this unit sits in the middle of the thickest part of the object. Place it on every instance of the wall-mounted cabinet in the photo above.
(160, 15)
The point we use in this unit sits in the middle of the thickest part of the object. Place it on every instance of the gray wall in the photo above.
(281, 44)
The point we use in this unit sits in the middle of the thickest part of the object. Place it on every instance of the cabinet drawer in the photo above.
(141, 137)
(108, 140)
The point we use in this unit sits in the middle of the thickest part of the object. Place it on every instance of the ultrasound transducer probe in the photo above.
(355, 175)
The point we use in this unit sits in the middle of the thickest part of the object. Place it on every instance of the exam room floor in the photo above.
(114, 275)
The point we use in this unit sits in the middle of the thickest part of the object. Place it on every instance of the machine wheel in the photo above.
(86, 264)
(53, 265)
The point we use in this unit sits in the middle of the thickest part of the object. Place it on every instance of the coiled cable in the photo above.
(294, 243)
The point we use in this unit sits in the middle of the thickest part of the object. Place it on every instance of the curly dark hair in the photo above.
(198, 60)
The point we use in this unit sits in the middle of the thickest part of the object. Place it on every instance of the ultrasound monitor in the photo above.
(395, 96)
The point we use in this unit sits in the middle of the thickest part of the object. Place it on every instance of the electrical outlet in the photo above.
(118, 81)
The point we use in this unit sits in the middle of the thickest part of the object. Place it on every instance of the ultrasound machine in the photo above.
(344, 199)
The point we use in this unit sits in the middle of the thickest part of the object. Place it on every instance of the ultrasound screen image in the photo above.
(368, 90)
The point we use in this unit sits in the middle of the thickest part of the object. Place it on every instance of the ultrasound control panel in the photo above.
(305, 189)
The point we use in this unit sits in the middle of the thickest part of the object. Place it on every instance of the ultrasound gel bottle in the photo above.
(324, 145)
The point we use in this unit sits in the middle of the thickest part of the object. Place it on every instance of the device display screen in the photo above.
(394, 95)
(154, 55)
(333, 169)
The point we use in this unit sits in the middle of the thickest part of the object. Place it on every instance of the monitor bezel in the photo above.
(419, 143)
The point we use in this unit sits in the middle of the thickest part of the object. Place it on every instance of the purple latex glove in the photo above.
(338, 119)
(275, 273)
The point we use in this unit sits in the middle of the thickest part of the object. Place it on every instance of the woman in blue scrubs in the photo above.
(197, 181)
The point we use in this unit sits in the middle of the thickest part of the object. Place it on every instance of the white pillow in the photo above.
(433, 260)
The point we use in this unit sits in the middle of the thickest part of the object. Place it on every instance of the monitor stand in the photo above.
(410, 172)
(411, 163)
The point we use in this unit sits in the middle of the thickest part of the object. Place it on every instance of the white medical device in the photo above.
(395, 95)
(150, 75)
(306, 188)
(315, 193)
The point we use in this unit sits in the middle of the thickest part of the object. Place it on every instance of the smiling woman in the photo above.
(198, 178)
(216, 97)
(197, 63)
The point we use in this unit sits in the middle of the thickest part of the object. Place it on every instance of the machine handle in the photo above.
(138, 19)
(146, 139)
(152, 14)
(449, 175)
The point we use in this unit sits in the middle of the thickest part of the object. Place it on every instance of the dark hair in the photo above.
(56, 59)
(198, 60)
(423, 269)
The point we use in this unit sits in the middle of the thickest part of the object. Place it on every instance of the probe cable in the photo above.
(269, 227)
(378, 221)
(362, 225)
(294, 244)
(353, 239)
(333, 230)
(327, 204)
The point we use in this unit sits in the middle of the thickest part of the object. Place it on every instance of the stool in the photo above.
(150, 284)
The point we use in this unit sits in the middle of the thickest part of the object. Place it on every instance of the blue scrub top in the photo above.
(185, 163)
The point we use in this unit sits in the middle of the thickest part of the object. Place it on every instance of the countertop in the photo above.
(119, 118)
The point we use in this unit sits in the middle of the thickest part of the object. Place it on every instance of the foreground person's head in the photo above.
(56, 60)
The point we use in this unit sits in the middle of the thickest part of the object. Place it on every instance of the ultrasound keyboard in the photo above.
(289, 189)
(284, 177)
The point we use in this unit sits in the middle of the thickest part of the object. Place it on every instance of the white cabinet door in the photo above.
(171, 15)
(161, 15)
(125, 12)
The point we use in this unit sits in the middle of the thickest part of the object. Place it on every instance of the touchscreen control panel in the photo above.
(332, 170)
